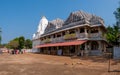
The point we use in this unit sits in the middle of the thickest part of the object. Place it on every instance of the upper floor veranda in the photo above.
(78, 26)
(78, 33)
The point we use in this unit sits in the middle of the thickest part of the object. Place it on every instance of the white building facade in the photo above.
(80, 34)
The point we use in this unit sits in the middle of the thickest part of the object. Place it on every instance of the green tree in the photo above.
(28, 43)
(117, 15)
(13, 44)
(114, 31)
(109, 34)
(21, 42)
(117, 26)
(112, 34)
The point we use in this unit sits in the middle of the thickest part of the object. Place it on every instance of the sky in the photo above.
(21, 17)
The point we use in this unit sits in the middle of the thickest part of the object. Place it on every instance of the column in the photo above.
(61, 34)
(67, 32)
(55, 39)
(89, 33)
(86, 34)
(100, 32)
(77, 32)
(76, 50)
(100, 46)
(86, 49)
(61, 38)
(51, 37)
(55, 35)
(104, 50)
(90, 45)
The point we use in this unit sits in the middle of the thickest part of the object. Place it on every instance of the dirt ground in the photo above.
(40, 64)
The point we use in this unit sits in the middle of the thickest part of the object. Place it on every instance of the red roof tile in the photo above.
(76, 42)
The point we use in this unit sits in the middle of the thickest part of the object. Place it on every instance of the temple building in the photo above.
(80, 34)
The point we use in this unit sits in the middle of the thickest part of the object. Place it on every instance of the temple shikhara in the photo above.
(80, 34)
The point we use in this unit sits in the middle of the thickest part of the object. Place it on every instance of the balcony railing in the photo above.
(81, 35)
(45, 41)
(94, 35)
(73, 36)
(70, 36)
(58, 39)
(97, 36)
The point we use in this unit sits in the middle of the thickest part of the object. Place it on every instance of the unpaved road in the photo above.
(39, 64)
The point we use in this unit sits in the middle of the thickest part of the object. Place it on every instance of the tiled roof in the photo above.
(74, 19)
(55, 24)
(80, 15)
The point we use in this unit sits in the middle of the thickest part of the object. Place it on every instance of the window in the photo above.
(48, 36)
(63, 33)
(82, 30)
(58, 35)
(53, 35)
(72, 31)
(94, 31)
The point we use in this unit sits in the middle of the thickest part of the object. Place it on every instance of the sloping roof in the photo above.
(74, 19)
(83, 16)
(70, 43)
(55, 24)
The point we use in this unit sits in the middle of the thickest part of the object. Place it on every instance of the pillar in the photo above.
(55, 35)
(100, 45)
(104, 47)
(86, 49)
(51, 37)
(61, 34)
(100, 33)
(77, 32)
(76, 49)
(86, 34)
(67, 32)
(89, 33)
(89, 46)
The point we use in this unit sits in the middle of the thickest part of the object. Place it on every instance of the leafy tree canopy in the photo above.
(19, 43)
(114, 31)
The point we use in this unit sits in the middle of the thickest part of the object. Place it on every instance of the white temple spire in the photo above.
(42, 25)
